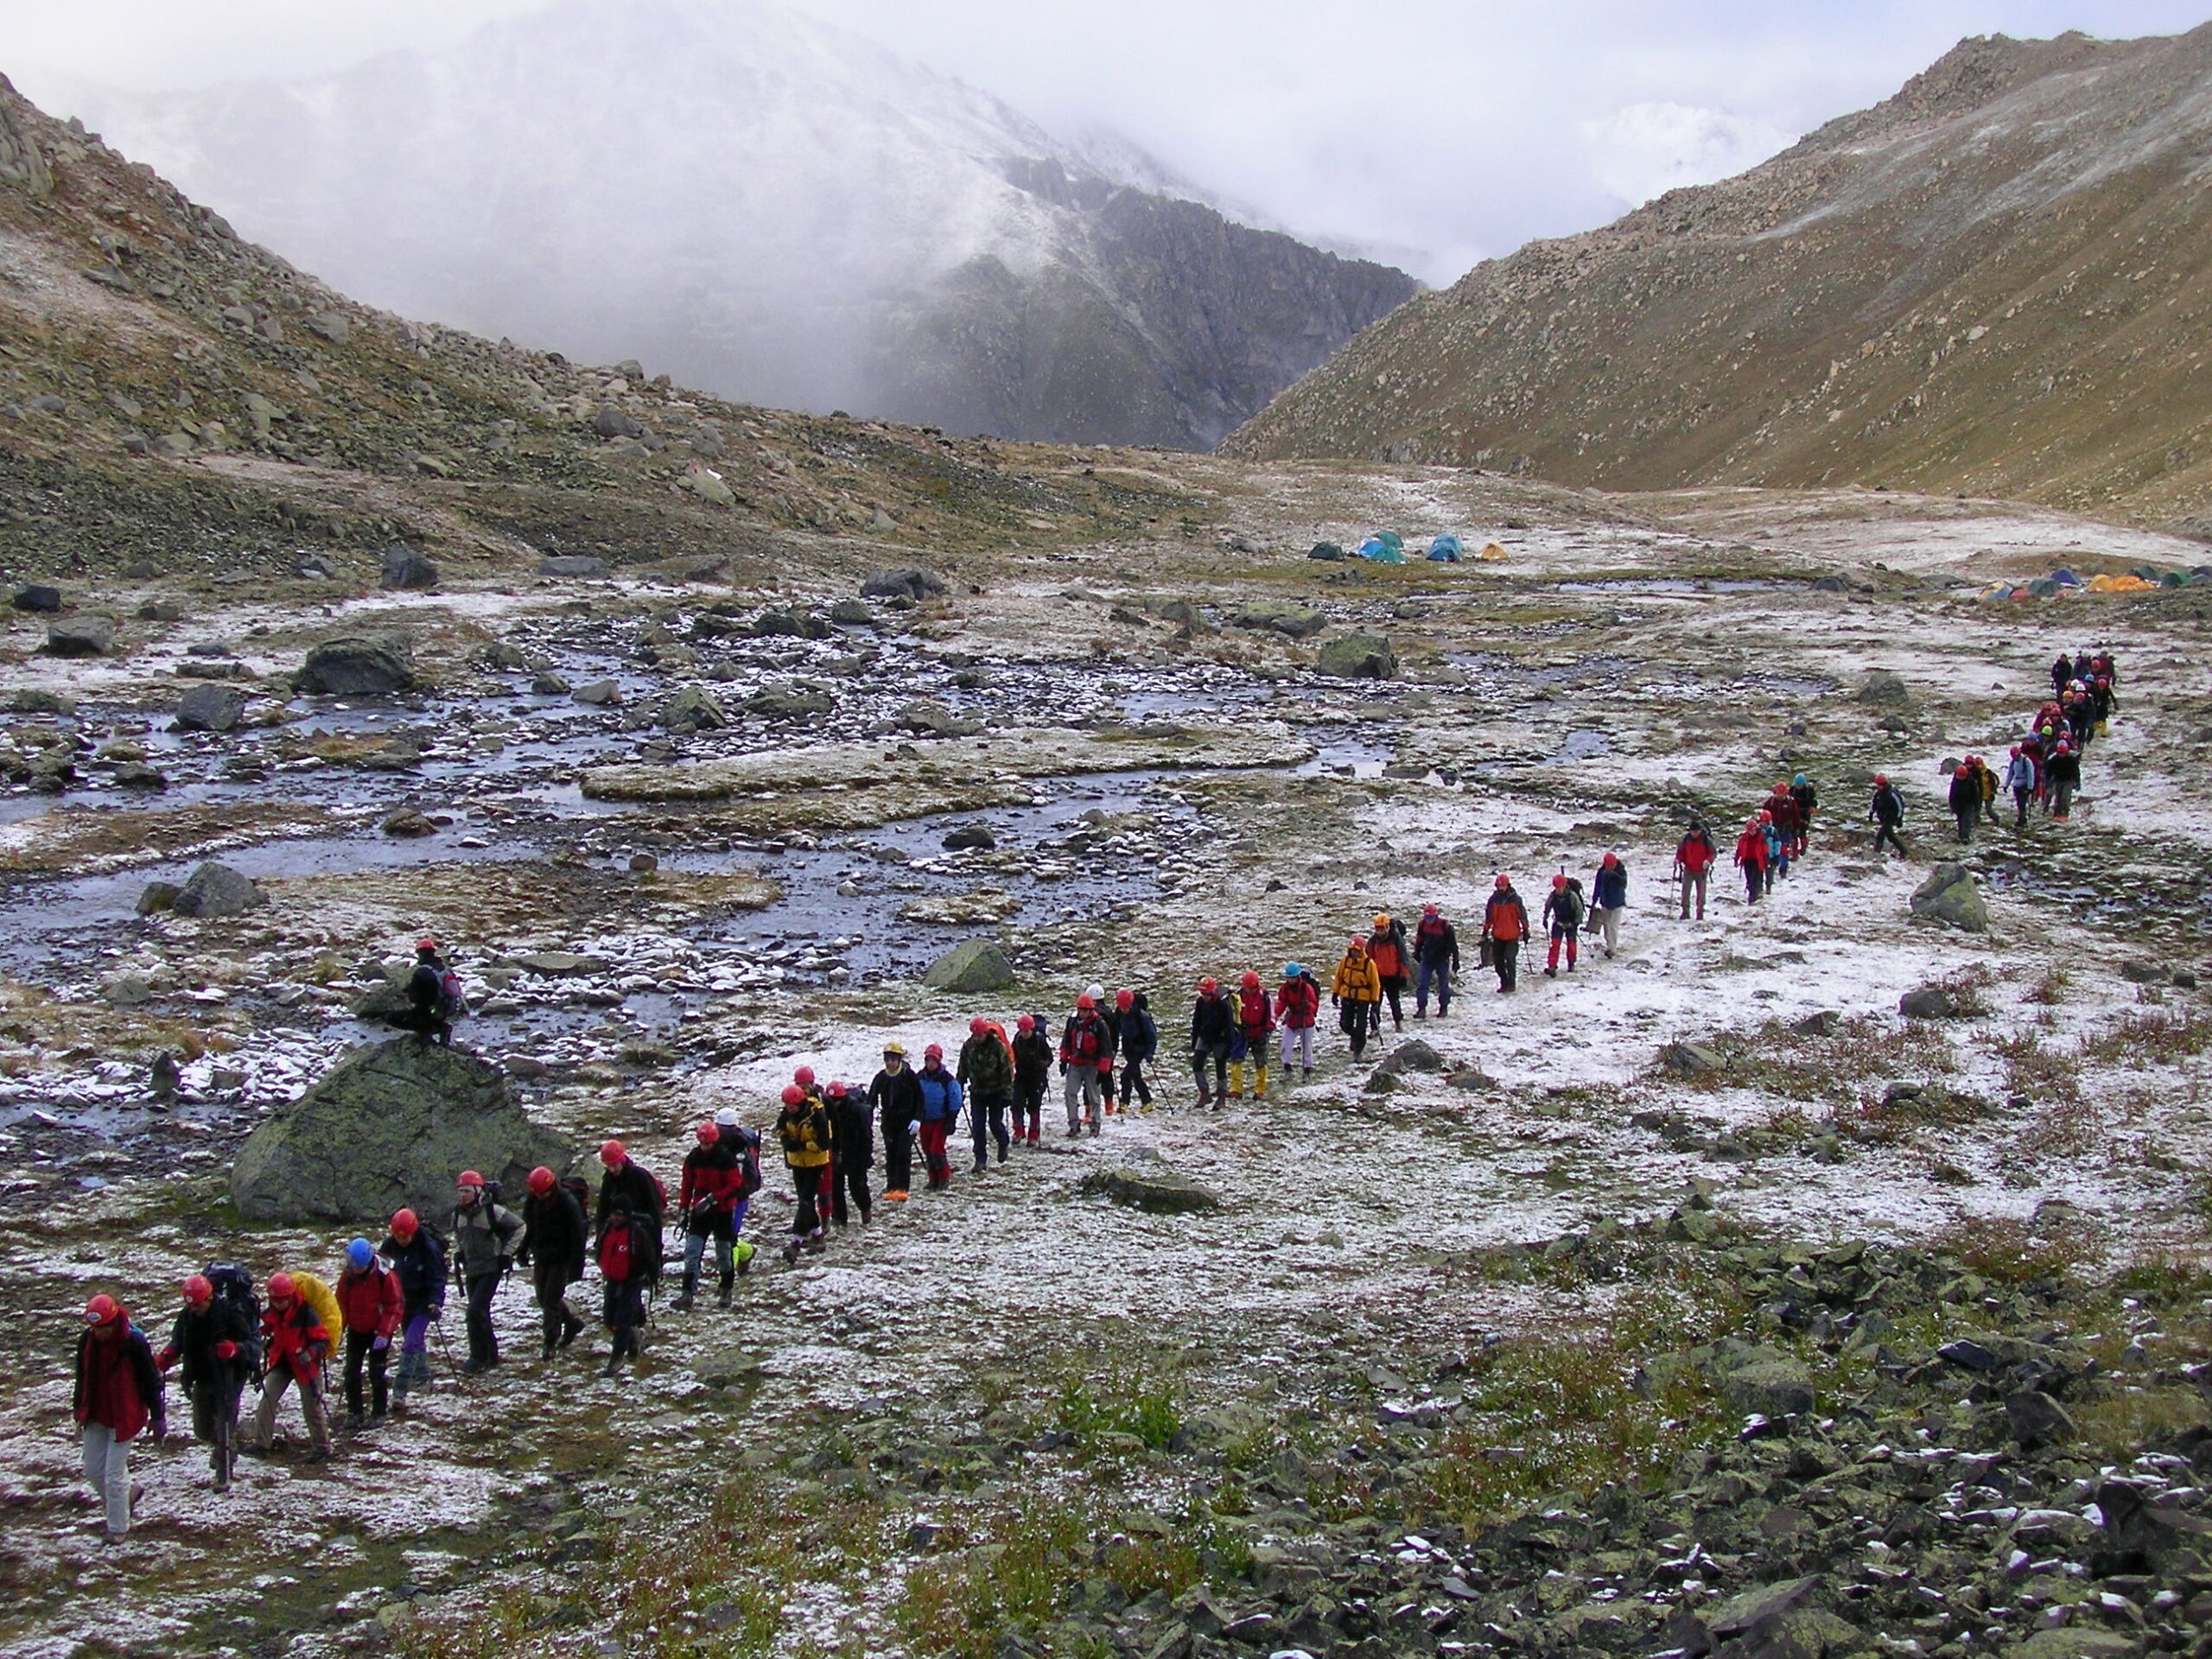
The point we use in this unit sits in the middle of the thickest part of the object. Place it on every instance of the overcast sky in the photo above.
(1442, 129)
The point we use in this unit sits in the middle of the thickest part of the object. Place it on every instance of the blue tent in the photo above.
(1380, 551)
(1444, 549)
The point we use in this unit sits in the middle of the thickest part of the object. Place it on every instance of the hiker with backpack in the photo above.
(1886, 813)
(1751, 859)
(1387, 949)
(1964, 799)
(803, 1129)
(118, 1397)
(555, 1241)
(485, 1235)
(296, 1338)
(1436, 962)
(852, 1156)
(217, 1338)
(1086, 1065)
(1505, 925)
(897, 1098)
(1136, 1040)
(1806, 797)
(1298, 1010)
(1355, 990)
(986, 1073)
(1695, 857)
(371, 1306)
(1781, 808)
(1608, 898)
(627, 1180)
(706, 1193)
(2020, 780)
(417, 1255)
(2065, 779)
(942, 1099)
(435, 998)
(1255, 1023)
(622, 1279)
(1213, 1038)
(1563, 913)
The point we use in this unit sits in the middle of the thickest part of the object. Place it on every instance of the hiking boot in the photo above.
(791, 1252)
(682, 1302)
(612, 1369)
(551, 1343)
(1551, 973)
(896, 1195)
(318, 1454)
(354, 1421)
(572, 1327)
(376, 1417)
(814, 1245)
(1001, 1155)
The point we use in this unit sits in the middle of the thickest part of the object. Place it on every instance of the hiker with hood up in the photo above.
(1355, 991)
(1086, 1065)
(1505, 924)
(1886, 811)
(434, 997)
(1297, 1008)
(1608, 898)
(1032, 1075)
(1255, 1023)
(417, 1255)
(1563, 913)
(1436, 962)
(1387, 949)
(371, 1306)
(1695, 857)
(555, 1240)
(1213, 1038)
(942, 1099)
(986, 1074)
(1138, 1041)
(1751, 859)
(118, 1397)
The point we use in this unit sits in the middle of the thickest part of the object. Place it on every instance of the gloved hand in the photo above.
(226, 1350)
(380, 1344)
(166, 1358)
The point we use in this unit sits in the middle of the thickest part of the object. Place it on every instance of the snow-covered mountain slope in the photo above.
(767, 206)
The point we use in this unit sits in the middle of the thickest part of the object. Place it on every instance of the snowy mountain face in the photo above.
(767, 207)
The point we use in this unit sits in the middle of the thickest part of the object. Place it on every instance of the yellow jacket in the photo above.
(1356, 980)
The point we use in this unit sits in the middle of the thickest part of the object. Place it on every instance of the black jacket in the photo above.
(1139, 1031)
(420, 1265)
(1888, 806)
(852, 1127)
(426, 988)
(896, 1098)
(194, 1338)
(553, 1234)
(1032, 1059)
(632, 1183)
(1213, 1021)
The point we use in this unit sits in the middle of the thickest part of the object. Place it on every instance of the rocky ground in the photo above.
(1698, 1301)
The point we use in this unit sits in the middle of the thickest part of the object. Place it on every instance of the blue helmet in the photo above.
(1292, 970)
(359, 1253)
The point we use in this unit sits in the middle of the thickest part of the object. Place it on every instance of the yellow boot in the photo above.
(1260, 1086)
(1237, 1079)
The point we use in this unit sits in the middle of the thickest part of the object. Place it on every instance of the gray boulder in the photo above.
(692, 709)
(610, 421)
(573, 564)
(1884, 689)
(88, 635)
(560, 964)
(968, 835)
(1413, 1055)
(852, 613)
(403, 568)
(601, 693)
(218, 890)
(37, 597)
(1693, 1059)
(1764, 1379)
(358, 666)
(391, 1124)
(788, 703)
(932, 718)
(209, 708)
(1158, 1191)
(1294, 620)
(1927, 1002)
(903, 584)
(974, 965)
(1359, 656)
(1950, 896)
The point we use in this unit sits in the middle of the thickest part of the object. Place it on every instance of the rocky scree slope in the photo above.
(773, 209)
(1995, 282)
(174, 398)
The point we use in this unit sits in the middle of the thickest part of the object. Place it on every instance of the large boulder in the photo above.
(1158, 1191)
(39, 596)
(973, 966)
(358, 666)
(1359, 656)
(391, 1124)
(1883, 690)
(692, 709)
(403, 568)
(86, 635)
(1950, 896)
(902, 584)
(218, 890)
(210, 707)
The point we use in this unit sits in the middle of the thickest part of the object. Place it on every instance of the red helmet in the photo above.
(978, 1026)
(934, 1052)
(708, 1135)
(1504, 882)
(431, 945)
(196, 1289)
(838, 1091)
(470, 1177)
(1765, 817)
(1025, 1025)
(1612, 859)
(793, 1094)
(1558, 881)
(405, 1223)
(1358, 942)
(614, 1153)
(1430, 909)
(1085, 1003)
(541, 1180)
(1209, 983)
(280, 1288)
(1881, 778)
(1125, 1000)
(102, 1309)
(2016, 752)
(804, 1077)
(1251, 981)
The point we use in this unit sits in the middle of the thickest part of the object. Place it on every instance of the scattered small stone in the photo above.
(406, 569)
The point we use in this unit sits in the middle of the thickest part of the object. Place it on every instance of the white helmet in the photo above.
(726, 1118)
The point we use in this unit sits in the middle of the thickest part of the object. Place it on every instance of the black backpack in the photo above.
(233, 1288)
(579, 1189)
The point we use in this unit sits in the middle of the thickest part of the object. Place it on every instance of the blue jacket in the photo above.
(1609, 889)
(2021, 773)
(420, 1265)
(940, 1095)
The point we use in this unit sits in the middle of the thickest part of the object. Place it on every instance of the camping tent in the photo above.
(1444, 549)
(1382, 552)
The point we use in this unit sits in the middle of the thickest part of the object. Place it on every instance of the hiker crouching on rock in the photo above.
(119, 1396)
(296, 1345)
(434, 997)
(555, 1241)
(417, 1255)
(484, 1235)
(373, 1306)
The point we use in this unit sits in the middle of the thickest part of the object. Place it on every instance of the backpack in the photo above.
(233, 1288)
(579, 1189)
(318, 1295)
(452, 996)
(1569, 906)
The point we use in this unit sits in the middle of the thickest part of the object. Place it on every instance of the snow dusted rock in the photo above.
(974, 965)
(1413, 1055)
(1884, 689)
(218, 890)
(1693, 1059)
(560, 964)
(692, 709)
(1950, 896)
(902, 584)
(1928, 1002)
(389, 1125)
(80, 636)
(1158, 1191)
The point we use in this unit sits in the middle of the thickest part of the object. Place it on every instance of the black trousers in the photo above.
(1217, 1053)
(984, 1132)
(1888, 832)
(361, 1345)
(806, 1187)
(483, 1340)
(850, 1183)
(1133, 1086)
(898, 1158)
(557, 1319)
(1505, 956)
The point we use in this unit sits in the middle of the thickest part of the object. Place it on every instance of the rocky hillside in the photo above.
(174, 396)
(769, 208)
(1993, 282)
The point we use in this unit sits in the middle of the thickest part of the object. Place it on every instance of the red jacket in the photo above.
(1299, 1003)
(1253, 1018)
(294, 1336)
(1751, 847)
(1506, 916)
(117, 1386)
(1383, 951)
(370, 1301)
(1695, 854)
(1084, 1043)
(1786, 815)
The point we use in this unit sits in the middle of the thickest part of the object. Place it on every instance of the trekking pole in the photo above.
(445, 1347)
